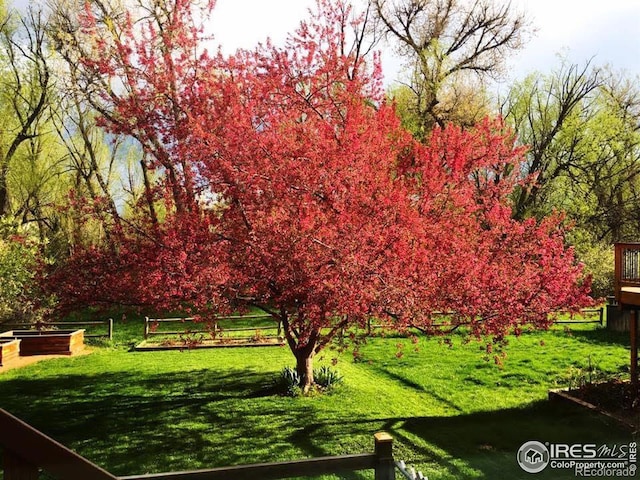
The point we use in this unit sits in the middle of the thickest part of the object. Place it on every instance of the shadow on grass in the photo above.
(602, 336)
(487, 442)
(133, 424)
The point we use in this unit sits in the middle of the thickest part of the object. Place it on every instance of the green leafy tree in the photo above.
(547, 112)
(582, 127)
(25, 89)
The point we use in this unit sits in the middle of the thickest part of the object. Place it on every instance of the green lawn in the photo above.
(453, 414)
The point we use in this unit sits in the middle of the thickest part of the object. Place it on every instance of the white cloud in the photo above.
(244, 23)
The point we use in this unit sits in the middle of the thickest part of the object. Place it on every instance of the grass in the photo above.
(452, 414)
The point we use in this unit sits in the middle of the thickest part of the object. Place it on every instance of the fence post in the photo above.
(601, 315)
(633, 332)
(146, 327)
(385, 467)
(15, 468)
(110, 328)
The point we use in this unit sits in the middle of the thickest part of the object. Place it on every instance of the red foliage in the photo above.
(309, 199)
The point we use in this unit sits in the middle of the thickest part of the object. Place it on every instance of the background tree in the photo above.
(541, 110)
(451, 47)
(113, 71)
(311, 202)
(25, 88)
(33, 185)
(95, 165)
(581, 126)
(604, 178)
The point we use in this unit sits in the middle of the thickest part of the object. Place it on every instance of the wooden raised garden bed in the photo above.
(47, 342)
(9, 350)
(613, 399)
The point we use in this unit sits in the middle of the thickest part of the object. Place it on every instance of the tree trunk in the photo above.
(148, 192)
(304, 352)
(304, 367)
(4, 198)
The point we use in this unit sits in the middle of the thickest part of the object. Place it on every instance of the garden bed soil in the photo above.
(615, 399)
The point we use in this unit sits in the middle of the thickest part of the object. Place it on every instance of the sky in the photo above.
(607, 31)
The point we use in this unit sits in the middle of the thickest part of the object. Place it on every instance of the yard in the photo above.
(453, 414)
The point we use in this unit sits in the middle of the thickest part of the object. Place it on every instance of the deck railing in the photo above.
(27, 451)
(627, 267)
(627, 274)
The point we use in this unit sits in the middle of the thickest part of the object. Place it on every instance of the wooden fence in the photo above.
(151, 326)
(46, 325)
(27, 451)
(586, 315)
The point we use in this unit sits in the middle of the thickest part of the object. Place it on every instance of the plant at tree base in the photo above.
(307, 199)
(289, 381)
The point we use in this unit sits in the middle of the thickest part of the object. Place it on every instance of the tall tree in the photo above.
(542, 110)
(603, 181)
(316, 206)
(92, 160)
(25, 88)
(451, 47)
(582, 127)
(137, 64)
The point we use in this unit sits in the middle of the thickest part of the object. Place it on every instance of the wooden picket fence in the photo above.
(27, 451)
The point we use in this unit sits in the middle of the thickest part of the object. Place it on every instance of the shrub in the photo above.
(326, 377)
(598, 259)
(289, 381)
(20, 298)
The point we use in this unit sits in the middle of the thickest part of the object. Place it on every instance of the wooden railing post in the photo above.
(385, 466)
(633, 330)
(110, 329)
(15, 468)
(146, 327)
(27, 450)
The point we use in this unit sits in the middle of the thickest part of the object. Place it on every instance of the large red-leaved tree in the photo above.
(289, 184)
